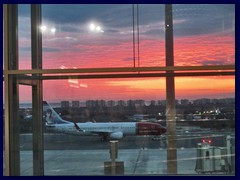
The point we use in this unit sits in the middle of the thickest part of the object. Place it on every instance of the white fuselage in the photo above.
(128, 128)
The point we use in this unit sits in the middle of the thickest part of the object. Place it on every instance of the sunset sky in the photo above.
(95, 36)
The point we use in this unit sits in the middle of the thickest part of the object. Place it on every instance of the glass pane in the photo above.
(207, 87)
(151, 35)
(101, 35)
(24, 36)
(87, 35)
(130, 110)
(107, 101)
(25, 130)
(205, 119)
(204, 34)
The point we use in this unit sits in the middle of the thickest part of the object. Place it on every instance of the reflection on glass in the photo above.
(204, 34)
(25, 130)
(102, 36)
(205, 119)
(88, 35)
(24, 35)
(112, 36)
(201, 118)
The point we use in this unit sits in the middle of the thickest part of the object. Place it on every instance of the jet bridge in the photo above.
(211, 159)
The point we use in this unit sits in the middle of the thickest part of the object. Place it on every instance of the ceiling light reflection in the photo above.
(46, 30)
(95, 28)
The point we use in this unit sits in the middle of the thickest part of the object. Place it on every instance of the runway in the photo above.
(69, 142)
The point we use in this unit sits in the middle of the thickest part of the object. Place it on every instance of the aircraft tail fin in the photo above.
(51, 116)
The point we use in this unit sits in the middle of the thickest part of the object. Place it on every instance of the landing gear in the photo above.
(104, 138)
(159, 138)
(156, 138)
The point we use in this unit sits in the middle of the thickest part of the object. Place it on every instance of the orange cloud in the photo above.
(212, 49)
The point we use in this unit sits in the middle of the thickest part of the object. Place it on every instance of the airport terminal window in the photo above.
(196, 115)
(119, 103)
(216, 87)
(205, 119)
(24, 33)
(204, 34)
(103, 35)
(88, 35)
(92, 86)
(25, 130)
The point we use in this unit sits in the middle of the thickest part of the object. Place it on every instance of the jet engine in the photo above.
(116, 135)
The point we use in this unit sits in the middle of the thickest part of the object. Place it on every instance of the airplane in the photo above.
(106, 130)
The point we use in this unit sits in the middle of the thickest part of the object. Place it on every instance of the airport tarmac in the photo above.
(91, 162)
(57, 141)
(85, 155)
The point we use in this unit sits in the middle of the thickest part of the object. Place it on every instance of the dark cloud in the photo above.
(195, 18)
(191, 28)
(155, 32)
(128, 59)
(24, 9)
(111, 30)
(45, 49)
(68, 29)
(48, 49)
(202, 19)
(151, 13)
(25, 49)
(74, 13)
(212, 62)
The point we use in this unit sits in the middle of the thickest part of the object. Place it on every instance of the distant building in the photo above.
(201, 101)
(139, 103)
(229, 100)
(91, 103)
(176, 102)
(184, 101)
(121, 103)
(152, 103)
(75, 104)
(96, 103)
(65, 104)
(163, 102)
(110, 103)
(130, 103)
(101, 103)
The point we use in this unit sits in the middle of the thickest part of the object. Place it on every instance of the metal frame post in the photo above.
(12, 153)
(37, 97)
(170, 94)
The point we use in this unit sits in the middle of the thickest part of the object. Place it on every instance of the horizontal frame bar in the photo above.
(120, 70)
(99, 76)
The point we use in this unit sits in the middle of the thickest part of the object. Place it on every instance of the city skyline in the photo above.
(111, 102)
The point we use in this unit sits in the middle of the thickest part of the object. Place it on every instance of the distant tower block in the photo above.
(75, 104)
(65, 104)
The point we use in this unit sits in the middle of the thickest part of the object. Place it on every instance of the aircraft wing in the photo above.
(100, 132)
